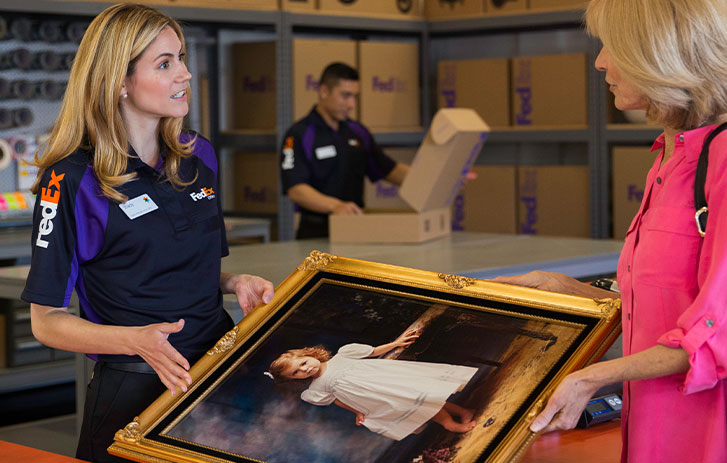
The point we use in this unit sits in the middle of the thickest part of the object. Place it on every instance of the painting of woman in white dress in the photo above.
(394, 398)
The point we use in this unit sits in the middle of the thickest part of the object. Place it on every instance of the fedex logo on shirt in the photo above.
(208, 193)
(49, 198)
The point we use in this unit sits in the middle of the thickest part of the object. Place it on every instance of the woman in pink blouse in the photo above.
(670, 58)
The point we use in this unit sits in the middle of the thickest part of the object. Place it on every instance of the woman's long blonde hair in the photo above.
(90, 117)
(674, 51)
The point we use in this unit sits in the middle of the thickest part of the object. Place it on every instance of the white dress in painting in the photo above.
(396, 396)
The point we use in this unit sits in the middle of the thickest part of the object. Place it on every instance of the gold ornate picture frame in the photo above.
(515, 344)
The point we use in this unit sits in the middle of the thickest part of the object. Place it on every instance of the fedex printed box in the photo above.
(253, 86)
(489, 202)
(557, 4)
(389, 73)
(630, 164)
(256, 182)
(303, 6)
(480, 84)
(549, 90)
(452, 144)
(399, 9)
(553, 200)
(224, 4)
(385, 195)
(448, 9)
(310, 57)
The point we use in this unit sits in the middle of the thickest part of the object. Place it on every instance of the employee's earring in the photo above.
(124, 95)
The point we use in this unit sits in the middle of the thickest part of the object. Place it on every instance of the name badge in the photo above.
(138, 206)
(325, 152)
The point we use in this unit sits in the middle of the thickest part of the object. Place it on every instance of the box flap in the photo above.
(451, 146)
(447, 122)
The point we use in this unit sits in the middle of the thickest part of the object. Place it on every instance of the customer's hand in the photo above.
(556, 282)
(151, 343)
(251, 290)
(565, 406)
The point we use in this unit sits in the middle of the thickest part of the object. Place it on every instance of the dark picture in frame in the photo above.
(405, 366)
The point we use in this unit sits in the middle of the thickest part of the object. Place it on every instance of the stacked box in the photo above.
(480, 84)
(554, 200)
(549, 91)
(390, 92)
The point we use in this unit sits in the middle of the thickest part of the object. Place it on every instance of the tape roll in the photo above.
(6, 154)
(19, 146)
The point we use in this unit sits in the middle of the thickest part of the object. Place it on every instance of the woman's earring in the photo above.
(124, 95)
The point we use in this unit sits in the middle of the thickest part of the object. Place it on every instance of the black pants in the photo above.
(113, 398)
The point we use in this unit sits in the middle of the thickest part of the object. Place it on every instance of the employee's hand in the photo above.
(151, 342)
(565, 406)
(557, 282)
(251, 290)
(347, 208)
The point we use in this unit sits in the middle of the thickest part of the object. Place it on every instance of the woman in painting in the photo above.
(128, 215)
(393, 398)
(669, 58)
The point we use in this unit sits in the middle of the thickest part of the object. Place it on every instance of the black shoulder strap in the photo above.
(700, 201)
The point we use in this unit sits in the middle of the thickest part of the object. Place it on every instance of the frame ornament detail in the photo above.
(456, 281)
(316, 261)
(226, 343)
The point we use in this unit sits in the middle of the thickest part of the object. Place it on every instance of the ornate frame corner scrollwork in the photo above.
(456, 281)
(609, 307)
(131, 432)
(225, 343)
(316, 260)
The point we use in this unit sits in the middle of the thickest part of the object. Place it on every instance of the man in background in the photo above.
(326, 155)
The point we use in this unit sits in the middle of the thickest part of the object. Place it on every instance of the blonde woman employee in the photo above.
(128, 214)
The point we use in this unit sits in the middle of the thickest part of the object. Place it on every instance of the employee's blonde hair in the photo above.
(90, 117)
(674, 51)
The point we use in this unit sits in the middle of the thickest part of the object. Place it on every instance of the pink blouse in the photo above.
(674, 292)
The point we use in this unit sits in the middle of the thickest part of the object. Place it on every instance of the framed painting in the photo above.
(355, 361)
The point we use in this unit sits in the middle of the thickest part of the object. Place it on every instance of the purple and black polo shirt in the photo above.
(160, 266)
(332, 162)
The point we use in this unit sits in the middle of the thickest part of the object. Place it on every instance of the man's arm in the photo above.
(311, 199)
(398, 174)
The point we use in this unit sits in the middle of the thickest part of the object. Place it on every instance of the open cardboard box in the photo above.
(451, 146)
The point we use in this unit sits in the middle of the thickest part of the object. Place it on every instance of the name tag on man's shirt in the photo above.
(138, 206)
(325, 152)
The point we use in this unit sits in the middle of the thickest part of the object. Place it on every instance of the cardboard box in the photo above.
(452, 144)
(385, 195)
(253, 86)
(439, 9)
(549, 91)
(256, 182)
(398, 9)
(302, 6)
(554, 200)
(557, 4)
(389, 73)
(268, 5)
(480, 84)
(489, 202)
(630, 164)
(310, 57)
